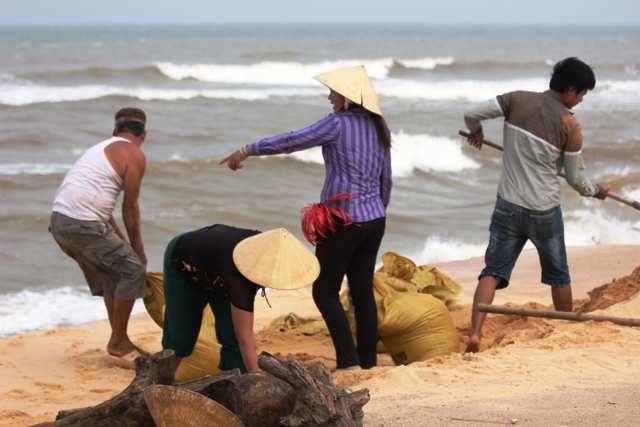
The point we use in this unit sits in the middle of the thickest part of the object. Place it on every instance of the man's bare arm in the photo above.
(116, 227)
(135, 168)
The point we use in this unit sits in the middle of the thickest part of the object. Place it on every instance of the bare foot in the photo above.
(473, 345)
(121, 348)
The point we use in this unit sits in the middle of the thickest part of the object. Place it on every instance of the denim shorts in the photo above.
(511, 227)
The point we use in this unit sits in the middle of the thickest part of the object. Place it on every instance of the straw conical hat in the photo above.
(178, 407)
(353, 83)
(276, 259)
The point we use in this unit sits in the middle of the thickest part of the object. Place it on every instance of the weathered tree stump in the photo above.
(318, 402)
(257, 399)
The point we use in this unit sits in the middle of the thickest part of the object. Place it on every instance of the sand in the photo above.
(530, 371)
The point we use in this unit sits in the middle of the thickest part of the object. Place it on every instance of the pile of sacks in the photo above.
(414, 322)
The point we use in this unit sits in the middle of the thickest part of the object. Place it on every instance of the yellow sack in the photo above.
(413, 320)
(347, 305)
(206, 354)
(415, 326)
(402, 274)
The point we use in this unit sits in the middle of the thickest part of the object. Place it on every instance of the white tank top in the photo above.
(90, 189)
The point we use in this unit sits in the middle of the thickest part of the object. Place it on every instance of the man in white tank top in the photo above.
(82, 224)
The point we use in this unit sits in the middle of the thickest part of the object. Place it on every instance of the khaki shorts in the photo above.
(109, 265)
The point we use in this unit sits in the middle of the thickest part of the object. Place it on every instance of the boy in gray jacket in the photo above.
(541, 138)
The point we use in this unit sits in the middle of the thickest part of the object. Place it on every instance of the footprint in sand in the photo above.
(45, 386)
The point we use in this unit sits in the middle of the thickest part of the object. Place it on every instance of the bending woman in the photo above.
(356, 147)
(224, 266)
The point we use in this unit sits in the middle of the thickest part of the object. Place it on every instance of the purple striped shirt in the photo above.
(354, 160)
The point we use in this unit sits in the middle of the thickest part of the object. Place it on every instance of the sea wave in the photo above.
(436, 250)
(607, 95)
(582, 227)
(632, 192)
(33, 168)
(427, 153)
(25, 95)
(270, 72)
(586, 227)
(31, 310)
(425, 63)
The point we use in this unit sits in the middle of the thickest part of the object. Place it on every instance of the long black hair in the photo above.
(384, 136)
(382, 130)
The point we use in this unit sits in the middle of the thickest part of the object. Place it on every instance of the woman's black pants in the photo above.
(352, 251)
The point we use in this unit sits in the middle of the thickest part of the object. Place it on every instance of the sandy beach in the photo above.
(530, 371)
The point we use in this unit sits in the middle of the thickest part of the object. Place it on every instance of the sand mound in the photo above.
(617, 291)
(502, 330)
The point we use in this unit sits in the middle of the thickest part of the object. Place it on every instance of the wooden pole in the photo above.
(565, 315)
(614, 196)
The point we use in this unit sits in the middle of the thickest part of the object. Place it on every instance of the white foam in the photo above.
(452, 90)
(312, 155)
(33, 168)
(632, 192)
(23, 94)
(425, 63)
(30, 94)
(27, 311)
(613, 94)
(438, 250)
(269, 72)
(586, 227)
(427, 153)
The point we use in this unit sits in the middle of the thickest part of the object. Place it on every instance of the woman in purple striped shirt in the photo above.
(349, 225)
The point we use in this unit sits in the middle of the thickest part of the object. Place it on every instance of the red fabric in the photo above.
(318, 218)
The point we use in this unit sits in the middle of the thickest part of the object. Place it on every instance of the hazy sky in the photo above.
(88, 12)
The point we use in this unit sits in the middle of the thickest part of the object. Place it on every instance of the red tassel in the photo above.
(318, 218)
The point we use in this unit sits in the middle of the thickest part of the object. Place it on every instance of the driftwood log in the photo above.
(565, 315)
(284, 395)
(318, 402)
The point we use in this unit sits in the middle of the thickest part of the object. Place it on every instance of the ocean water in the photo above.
(207, 90)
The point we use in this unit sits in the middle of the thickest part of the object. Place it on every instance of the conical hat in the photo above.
(276, 259)
(178, 407)
(353, 83)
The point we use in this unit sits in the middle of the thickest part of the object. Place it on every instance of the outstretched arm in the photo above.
(324, 132)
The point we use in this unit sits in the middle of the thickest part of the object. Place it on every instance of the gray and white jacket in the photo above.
(541, 138)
